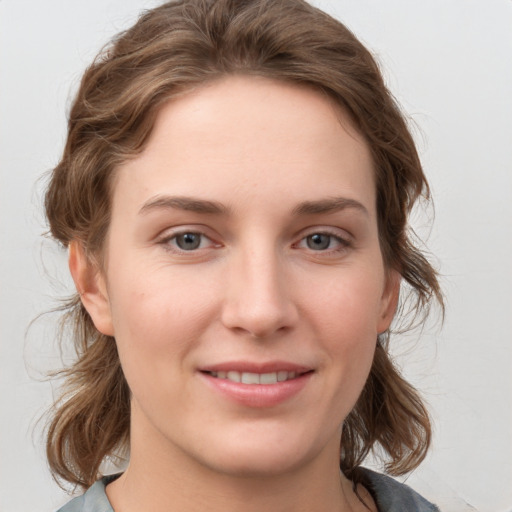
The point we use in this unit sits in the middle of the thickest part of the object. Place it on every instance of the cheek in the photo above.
(345, 316)
(158, 319)
(349, 303)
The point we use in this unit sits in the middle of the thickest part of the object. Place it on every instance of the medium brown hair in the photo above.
(171, 49)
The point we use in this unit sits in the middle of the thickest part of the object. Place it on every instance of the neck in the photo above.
(177, 490)
(162, 478)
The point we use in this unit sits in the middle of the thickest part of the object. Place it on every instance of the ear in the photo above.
(389, 301)
(90, 284)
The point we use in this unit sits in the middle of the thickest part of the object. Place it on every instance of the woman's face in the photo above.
(243, 246)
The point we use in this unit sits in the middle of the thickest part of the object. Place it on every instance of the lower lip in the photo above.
(258, 395)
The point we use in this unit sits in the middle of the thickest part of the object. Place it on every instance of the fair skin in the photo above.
(243, 239)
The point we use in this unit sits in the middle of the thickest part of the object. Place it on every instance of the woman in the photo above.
(234, 194)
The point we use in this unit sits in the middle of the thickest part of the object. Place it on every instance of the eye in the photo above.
(318, 241)
(187, 241)
(324, 242)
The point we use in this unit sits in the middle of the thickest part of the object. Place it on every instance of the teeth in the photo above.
(255, 378)
(281, 376)
(268, 378)
(250, 378)
(234, 376)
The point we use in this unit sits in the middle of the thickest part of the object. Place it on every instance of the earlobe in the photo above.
(90, 284)
(389, 301)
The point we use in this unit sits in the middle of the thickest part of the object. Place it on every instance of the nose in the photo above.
(259, 296)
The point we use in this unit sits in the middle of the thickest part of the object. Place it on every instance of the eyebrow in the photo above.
(189, 204)
(329, 205)
(192, 204)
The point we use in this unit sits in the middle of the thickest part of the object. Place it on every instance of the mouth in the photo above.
(259, 385)
(256, 378)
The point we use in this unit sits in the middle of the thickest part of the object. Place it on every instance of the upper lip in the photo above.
(253, 367)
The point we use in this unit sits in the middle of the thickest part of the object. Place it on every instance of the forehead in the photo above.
(251, 136)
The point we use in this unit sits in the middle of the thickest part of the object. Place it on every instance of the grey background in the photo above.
(450, 65)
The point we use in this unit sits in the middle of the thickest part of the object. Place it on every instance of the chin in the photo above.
(258, 465)
(259, 456)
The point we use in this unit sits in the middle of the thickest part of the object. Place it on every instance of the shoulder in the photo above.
(93, 500)
(393, 496)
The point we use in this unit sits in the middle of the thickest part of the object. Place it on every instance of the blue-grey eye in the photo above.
(188, 241)
(318, 241)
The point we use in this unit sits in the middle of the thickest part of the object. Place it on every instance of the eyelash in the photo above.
(342, 243)
(170, 242)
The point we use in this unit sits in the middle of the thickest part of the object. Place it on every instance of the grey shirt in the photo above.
(389, 495)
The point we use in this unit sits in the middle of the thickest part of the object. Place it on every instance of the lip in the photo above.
(257, 395)
(253, 367)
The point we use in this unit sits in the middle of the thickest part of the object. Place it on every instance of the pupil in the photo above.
(188, 241)
(318, 241)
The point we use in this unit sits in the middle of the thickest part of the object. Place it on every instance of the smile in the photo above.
(255, 378)
(260, 389)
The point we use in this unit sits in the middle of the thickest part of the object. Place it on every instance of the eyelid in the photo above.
(344, 238)
(340, 233)
(165, 237)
